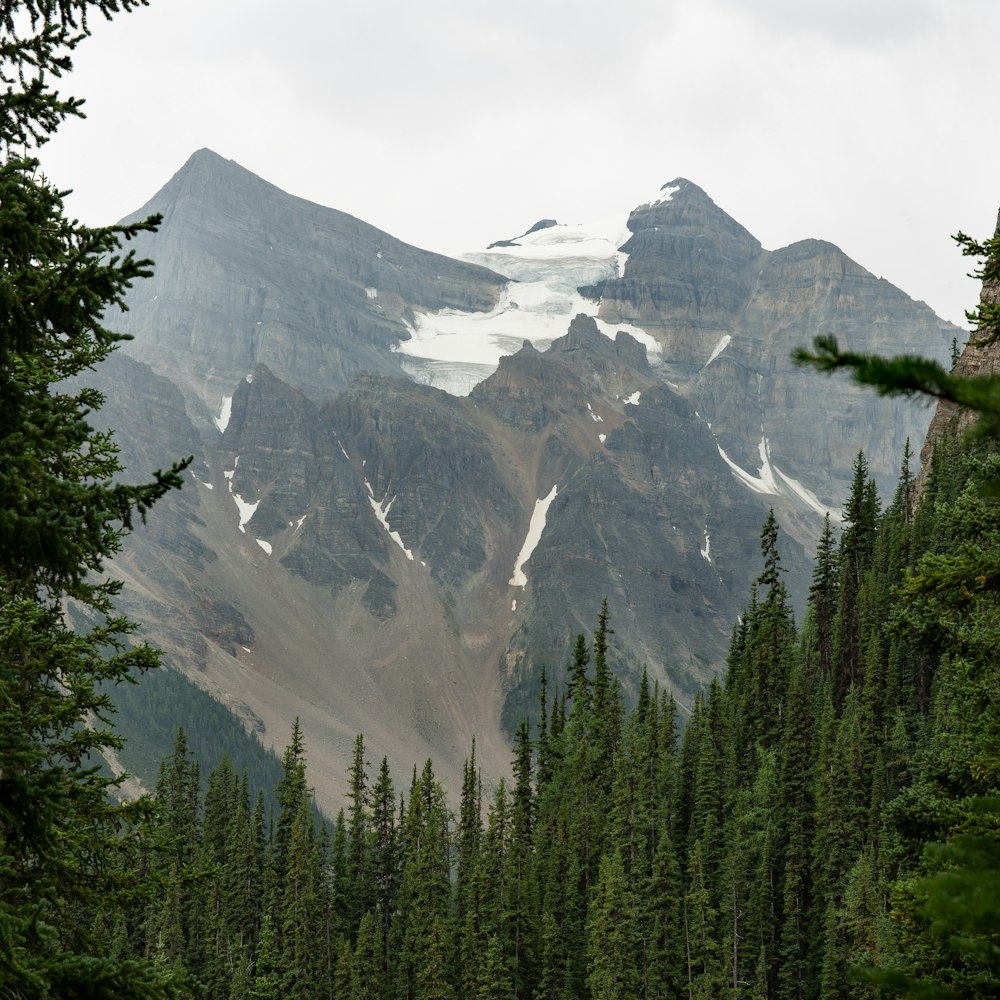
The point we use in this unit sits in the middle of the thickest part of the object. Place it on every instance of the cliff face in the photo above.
(974, 360)
(373, 554)
(249, 275)
(365, 564)
(728, 315)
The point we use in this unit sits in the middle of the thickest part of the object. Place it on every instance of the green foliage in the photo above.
(148, 714)
(63, 841)
(612, 968)
(826, 828)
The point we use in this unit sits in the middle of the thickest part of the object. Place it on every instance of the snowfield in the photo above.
(455, 350)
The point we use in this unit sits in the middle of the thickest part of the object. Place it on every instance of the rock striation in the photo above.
(373, 554)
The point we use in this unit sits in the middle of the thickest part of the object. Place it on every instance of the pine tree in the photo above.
(613, 945)
(169, 921)
(303, 949)
(857, 548)
(267, 978)
(62, 515)
(824, 596)
(495, 981)
(385, 857)
(369, 969)
(521, 876)
(769, 650)
(289, 795)
(662, 927)
(468, 846)
(359, 876)
(423, 968)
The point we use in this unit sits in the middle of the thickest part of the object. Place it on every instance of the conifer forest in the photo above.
(823, 821)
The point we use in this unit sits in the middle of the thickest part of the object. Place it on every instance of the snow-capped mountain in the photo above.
(416, 476)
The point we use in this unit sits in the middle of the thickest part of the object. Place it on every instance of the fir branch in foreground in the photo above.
(908, 375)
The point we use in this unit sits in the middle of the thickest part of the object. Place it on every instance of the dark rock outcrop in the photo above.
(345, 550)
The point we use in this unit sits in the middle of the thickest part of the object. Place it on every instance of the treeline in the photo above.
(777, 848)
(149, 713)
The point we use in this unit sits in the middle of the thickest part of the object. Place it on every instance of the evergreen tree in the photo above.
(824, 597)
(385, 857)
(468, 845)
(369, 969)
(495, 981)
(613, 945)
(360, 890)
(267, 978)
(170, 920)
(857, 549)
(662, 926)
(423, 968)
(289, 794)
(303, 950)
(521, 875)
(62, 515)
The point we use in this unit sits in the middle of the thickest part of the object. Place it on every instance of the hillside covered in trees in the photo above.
(826, 823)
(822, 826)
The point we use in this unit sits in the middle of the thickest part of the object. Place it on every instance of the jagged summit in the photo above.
(347, 549)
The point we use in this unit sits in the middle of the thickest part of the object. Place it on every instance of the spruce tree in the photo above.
(423, 969)
(613, 939)
(360, 888)
(62, 515)
(385, 860)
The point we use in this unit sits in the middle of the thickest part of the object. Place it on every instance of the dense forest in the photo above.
(820, 825)
(824, 822)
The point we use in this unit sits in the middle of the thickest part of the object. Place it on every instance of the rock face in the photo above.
(974, 360)
(367, 552)
(728, 315)
(249, 275)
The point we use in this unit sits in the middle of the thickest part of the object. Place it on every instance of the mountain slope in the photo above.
(365, 550)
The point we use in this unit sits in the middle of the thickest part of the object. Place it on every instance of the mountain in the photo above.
(417, 477)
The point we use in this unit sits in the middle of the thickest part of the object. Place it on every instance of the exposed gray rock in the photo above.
(249, 275)
(346, 551)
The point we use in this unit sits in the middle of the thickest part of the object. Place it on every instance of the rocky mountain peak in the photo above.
(615, 367)
(371, 547)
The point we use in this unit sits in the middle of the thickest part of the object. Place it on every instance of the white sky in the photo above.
(452, 123)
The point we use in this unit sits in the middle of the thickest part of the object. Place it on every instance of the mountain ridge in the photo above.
(345, 550)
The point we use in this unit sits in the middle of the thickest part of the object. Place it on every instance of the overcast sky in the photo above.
(453, 123)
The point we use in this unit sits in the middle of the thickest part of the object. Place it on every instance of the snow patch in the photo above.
(266, 546)
(372, 293)
(247, 510)
(809, 498)
(602, 438)
(513, 605)
(343, 450)
(763, 483)
(381, 511)
(724, 342)
(771, 481)
(666, 193)
(707, 550)
(634, 398)
(222, 420)
(597, 418)
(249, 378)
(535, 529)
